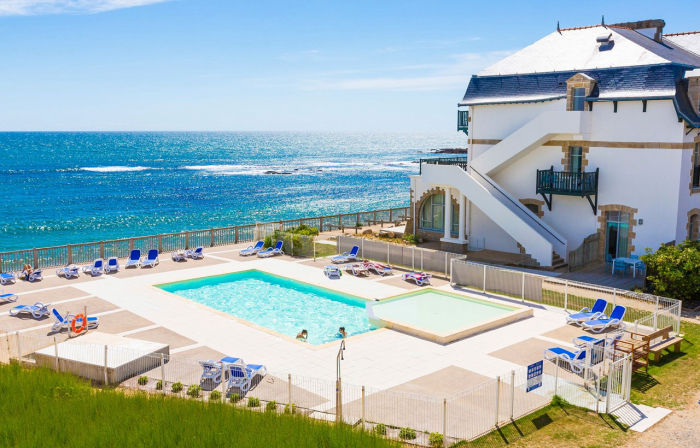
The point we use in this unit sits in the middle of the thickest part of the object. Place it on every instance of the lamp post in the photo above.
(338, 384)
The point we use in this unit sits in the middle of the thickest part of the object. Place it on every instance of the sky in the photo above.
(229, 65)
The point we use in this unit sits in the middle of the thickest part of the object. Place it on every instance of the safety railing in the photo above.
(86, 252)
(457, 161)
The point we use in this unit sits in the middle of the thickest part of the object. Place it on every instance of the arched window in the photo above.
(432, 215)
(693, 229)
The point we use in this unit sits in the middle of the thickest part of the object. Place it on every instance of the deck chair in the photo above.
(196, 254)
(38, 310)
(7, 278)
(112, 265)
(151, 259)
(69, 271)
(7, 297)
(346, 256)
(252, 250)
(65, 322)
(134, 258)
(605, 322)
(96, 268)
(588, 313)
(277, 250)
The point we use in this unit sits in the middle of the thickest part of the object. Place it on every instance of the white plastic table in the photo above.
(629, 261)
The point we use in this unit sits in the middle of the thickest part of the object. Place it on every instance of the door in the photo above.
(617, 234)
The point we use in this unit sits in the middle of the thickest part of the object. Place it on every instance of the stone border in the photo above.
(696, 230)
(577, 81)
(695, 149)
(602, 229)
(430, 234)
(537, 202)
(566, 156)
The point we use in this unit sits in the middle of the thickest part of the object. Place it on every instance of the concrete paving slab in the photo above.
(163, 335)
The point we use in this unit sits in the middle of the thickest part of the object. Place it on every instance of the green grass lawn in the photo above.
(43, 408)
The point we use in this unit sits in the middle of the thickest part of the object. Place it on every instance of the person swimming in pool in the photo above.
(342, 333)
(303, 336)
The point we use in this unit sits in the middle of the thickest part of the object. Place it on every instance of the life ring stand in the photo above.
(83, 324)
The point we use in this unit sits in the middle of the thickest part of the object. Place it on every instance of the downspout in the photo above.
(413, 186)
(470, 153)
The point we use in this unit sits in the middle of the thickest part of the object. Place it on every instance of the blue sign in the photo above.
(534, 376)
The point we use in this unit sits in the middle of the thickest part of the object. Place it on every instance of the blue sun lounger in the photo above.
(65, 322)
(96, 268)
(69, 271)
(6, 297)
(37, 310)
(605, 322)
(151, 259)
(134, 258)
(211, 371)
(112, 265)
(7, 277)
(576, 359)
(609, 341)
(588, 313)
(34, 275)
(346, 257)
(252, 250)
(196, 254)
(240, 374)
(277, 250)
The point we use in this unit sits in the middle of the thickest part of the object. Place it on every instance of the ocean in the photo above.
(65, 188)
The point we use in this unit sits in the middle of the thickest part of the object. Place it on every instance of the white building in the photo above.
(591, 130)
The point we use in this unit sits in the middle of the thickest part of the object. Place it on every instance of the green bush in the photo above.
(253, 402)
(410, 239)
(159, 385)
(177, 387)
(380, 429)
(435, 439)
(307, 230)
(407, 433)
(234, 398)
(194, 390)
(215, 395)
(271, 406)
(143, 380)
(674, 271)
(293, 411)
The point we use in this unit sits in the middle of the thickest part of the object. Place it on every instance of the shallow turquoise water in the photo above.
(279, 304)
(72, 187)
(438, 312)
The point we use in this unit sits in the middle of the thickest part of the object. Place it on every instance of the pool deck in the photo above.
(129, 305)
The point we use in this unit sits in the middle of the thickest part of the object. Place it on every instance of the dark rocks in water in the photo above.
(277, 172)
(449, 151)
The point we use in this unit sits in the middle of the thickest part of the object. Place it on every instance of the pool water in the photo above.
(280, 304)
(437, 311)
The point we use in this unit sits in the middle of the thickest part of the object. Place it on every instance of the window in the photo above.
(579, 98)
(693, 230)
(575, 159)
(614, 106)
(696, 166)
(534, 208)
(432, 214)
(617, 233)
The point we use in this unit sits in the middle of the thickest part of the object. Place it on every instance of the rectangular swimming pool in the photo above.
(277, 303)
(441, 316)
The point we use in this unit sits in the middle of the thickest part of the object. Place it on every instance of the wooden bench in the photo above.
(660, 340)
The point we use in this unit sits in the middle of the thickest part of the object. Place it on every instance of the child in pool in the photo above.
(303, 336)
(342, 333)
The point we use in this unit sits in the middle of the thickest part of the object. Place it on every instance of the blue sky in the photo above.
(267, 65)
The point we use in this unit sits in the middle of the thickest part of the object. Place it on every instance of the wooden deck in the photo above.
(597, 274)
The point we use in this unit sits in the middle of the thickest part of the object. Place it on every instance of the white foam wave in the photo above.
(115, 169)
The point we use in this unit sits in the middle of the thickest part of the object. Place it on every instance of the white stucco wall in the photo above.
(686, 201)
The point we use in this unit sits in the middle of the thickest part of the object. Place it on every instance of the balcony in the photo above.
(458, 161)
(463, 121)
(567, 183)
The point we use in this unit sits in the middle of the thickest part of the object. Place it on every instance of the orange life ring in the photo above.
(83, 324)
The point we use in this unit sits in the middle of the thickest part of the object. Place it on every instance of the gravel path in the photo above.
(678, 429)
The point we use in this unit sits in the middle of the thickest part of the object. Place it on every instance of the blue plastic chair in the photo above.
(641, 267)
(608, 261)
(620, 266)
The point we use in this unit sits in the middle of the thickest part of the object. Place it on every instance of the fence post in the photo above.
(291, 243)
(131, 244)
(566, 294)
(340, 220)
(36, 259)
(363, 406)
(444, 421)
(235, 238)
(102, 249)
(387, 253)
(70, 254)
(289, 383)
(55, 349)
(162, 373)
(362, 248)
(607, 391)
(1, 270)
(211, 236)
(160, 243)
(86, 318)
(597, 392)
(498, 398)
(445, 264)
(556, 377)
(656, 313)
(391, 214)
(413, 258)
(374, 221)
(522, 292)
(106, 376)
(321, 224)
(512, 394)
(484, 288)
(187, 239)
(421, 259)
(19, 349)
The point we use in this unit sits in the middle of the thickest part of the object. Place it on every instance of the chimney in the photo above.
(653, 28)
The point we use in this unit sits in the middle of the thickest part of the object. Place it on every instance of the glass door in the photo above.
(617, 234)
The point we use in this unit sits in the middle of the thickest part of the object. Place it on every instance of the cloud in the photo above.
(452, 74)
(299, 55)
(40, 7)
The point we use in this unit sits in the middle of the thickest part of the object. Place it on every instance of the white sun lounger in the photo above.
(68, 271)
(604, 322)
(151, 259)
(252, 250)
(277, 250)
(421, 278)
(7, 278)
(196, 254)
(588, 313)
(134, 258)
(6, 297)
(96, 268)
(33, 276)
(112, 265)
(240, 374)
(37, 310)
(345, 257)
(65, 322)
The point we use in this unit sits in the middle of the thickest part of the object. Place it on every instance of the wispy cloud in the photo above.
(39, 7)
(452, 74)
(300, 55)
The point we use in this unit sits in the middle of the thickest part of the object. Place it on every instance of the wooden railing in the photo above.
(47, 257)
(585, 254)
(567, 182)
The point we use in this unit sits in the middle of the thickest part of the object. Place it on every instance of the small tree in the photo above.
(674, 271)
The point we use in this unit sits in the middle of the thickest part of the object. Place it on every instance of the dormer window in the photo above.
(579, 98)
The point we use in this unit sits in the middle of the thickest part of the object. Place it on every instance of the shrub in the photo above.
(159, 385)
(407, 433)
(380, 429)
(194, 390)
(177, 387)
(674, 271)
(410, 239)
(287, 411)
(234, 398)
(215, 395)
(143, 380)
(271, 406)
(253, 402)
(435, 439)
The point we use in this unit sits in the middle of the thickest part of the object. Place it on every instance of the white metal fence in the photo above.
(643, 310)
(603, 385)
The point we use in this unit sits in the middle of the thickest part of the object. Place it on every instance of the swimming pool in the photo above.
(441, 316)
(277, 303)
